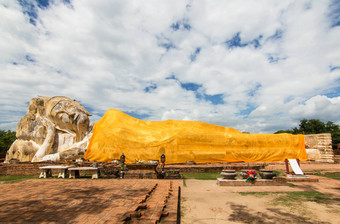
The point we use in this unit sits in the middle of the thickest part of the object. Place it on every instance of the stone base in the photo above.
(257, 182)
(301, 178)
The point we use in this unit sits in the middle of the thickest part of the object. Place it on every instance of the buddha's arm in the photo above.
(45, 148)
(75, 151)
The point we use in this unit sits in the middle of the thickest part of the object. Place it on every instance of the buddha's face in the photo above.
(70, 117)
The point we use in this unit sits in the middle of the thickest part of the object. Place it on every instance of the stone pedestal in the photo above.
(228, 174)
(267, 174)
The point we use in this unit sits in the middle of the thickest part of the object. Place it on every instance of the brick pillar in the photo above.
(319, 147)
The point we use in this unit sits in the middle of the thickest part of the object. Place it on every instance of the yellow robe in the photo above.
(182, 141)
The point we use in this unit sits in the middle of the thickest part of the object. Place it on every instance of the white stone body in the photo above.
(54, 128)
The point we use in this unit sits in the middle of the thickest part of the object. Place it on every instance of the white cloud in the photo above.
(107, 53)
(318, 106)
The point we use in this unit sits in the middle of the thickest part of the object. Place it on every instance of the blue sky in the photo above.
(257, 66)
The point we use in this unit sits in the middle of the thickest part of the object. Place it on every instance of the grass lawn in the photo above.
(334, 175)
(201, 176)
(290, 199)
(14, 179)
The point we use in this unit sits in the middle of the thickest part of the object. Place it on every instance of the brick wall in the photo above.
(319, 147)
(23, 168)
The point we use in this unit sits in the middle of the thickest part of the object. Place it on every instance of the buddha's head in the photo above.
(68, 115)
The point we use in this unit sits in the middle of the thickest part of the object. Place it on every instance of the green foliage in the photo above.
(315, 126)
(6, 140)
(335, 139)
(284, 131)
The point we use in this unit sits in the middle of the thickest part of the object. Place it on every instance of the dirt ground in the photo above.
(203, 201)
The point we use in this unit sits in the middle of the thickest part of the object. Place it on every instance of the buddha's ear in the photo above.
(36, 106)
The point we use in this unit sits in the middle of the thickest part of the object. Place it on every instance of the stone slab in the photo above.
(301, 178)
(55, 167)
(94, 171)
(83, 168)
(46, 171)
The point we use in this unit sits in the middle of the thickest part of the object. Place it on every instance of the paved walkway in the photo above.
(89, 201)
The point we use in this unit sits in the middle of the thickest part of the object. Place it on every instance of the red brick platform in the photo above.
(89, 201)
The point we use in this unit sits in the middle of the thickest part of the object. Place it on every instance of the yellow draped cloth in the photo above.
(182, 141)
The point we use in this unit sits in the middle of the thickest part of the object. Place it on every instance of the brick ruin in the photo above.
(319, 147)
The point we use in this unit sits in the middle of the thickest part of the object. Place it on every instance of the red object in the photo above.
(251, 172)
(287, 167)
(251, 175)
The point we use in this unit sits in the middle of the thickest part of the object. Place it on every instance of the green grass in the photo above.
(201, 176)
(184, 183)
(291, 185)
(14, 179)
(257, 194)
(278, 172)
(291, 199)
(294, 198)
(333, 175)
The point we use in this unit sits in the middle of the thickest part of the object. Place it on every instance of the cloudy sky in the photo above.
(257, 66)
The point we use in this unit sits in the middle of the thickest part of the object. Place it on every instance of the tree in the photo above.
(6, 140)
(284, 131)
(315, 126)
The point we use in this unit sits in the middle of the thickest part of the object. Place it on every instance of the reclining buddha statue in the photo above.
(57, 128)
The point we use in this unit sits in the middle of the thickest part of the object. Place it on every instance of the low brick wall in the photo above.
(23, 168)
(217, 167)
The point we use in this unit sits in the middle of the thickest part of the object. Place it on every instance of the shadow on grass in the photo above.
(243, 214)
(296, 197)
